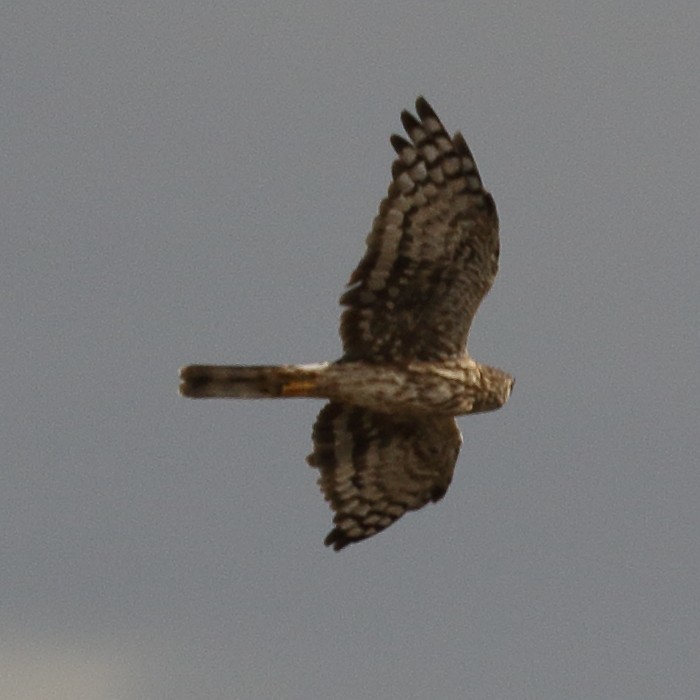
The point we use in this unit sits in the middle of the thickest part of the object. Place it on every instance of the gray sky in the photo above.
(193, 181)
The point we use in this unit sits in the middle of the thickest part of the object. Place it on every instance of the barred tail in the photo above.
(249, 382)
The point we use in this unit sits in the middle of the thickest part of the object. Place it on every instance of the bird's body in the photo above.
(451, 388)
(387, 441)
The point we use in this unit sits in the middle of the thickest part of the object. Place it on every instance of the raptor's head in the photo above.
(496, 386)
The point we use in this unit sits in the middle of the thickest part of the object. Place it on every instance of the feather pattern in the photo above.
(432, 253)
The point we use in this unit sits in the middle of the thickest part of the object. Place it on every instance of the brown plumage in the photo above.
(387, 442)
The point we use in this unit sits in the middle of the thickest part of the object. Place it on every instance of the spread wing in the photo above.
(432, 253)
(375, 467)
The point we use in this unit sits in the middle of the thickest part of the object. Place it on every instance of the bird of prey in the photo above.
(387, 441)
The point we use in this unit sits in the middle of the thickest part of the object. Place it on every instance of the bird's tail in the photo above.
(250, 382)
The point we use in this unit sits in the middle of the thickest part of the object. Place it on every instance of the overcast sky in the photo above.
(193, 182)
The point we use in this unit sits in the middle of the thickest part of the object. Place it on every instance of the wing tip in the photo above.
(424, 109)
(336, 539)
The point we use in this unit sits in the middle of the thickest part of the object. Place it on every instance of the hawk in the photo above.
(387, 441)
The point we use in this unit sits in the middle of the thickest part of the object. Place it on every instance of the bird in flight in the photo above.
(387, 441)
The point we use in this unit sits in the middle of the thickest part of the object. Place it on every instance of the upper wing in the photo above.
(375, 467)
(432, 253)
